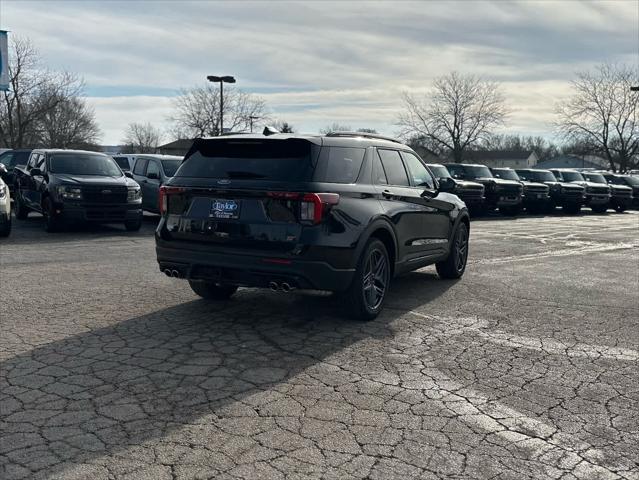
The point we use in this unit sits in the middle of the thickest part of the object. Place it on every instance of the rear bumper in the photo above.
(251, 270)
(99, 213)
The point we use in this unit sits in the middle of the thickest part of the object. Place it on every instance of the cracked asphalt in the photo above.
(528, 367)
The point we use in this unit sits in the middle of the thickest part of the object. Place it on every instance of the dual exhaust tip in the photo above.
(172, 273)
(274, 286)
(280, 287)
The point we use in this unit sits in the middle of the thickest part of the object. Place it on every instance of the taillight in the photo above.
(163, 198)
(311, 205)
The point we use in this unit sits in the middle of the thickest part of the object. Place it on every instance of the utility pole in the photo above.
(251, 118)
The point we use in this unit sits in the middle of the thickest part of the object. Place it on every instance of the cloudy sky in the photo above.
(320, 62)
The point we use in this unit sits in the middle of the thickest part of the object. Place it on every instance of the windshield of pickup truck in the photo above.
(439, 171)
(595, 177)
(506, 174)
(84, 164)
(572, 177)
(170, 166)
(477, 172)
(627, 180)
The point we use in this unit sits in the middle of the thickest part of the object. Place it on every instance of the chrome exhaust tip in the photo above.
(167, 272)
(273, 286)
(175, 273)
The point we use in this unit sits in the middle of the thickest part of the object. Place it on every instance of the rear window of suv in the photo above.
(278, 160)
(291, 160)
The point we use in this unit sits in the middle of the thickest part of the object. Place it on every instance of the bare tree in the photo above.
(459, 111)
(335, 127)
(602, 113)
(142, 138)
(71, 124)
(284, 127)
(197, 111)
(544, 149)
(33, 93)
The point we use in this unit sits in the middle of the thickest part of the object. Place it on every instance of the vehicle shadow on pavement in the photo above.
(97, 393)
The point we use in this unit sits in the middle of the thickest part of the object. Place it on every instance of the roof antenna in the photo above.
(269, 131)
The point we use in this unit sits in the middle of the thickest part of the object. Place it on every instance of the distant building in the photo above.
(574, 161)
(503, 158)
(177, 147)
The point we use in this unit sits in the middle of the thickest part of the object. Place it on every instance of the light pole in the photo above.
(221, 81)
(251, 118)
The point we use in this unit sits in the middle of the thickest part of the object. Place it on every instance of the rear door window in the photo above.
(140, 166)
(394, 167)
(153, 168)
(339, 164)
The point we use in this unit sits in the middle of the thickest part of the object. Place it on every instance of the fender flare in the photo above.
(380, 223)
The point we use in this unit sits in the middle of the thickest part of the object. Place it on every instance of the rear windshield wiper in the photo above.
(239, 174)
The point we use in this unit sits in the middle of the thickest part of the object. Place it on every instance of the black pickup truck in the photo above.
(597, 194)
(76, 186)
(503, 194)
(471, 193)
(536, 194)
(569, 196)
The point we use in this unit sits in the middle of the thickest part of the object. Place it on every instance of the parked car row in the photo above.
(537, 191)
(70, 186)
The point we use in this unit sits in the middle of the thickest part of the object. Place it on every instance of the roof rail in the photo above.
(362, 134)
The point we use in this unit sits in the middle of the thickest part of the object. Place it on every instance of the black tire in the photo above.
(510, 211)
(51, 223)
(21, 211)
(5, 229)
(455, 264)
(133, 225)
(550, 207)
(212, 290)
(599, 208)
(366, 295)
(620, 208)
(571, 209)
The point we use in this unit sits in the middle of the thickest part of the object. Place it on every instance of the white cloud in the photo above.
(319, 62)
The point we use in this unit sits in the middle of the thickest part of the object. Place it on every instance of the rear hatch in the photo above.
(245, 193)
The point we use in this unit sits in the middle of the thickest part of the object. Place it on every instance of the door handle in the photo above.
(387, 194)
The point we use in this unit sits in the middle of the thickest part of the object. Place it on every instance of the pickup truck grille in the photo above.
(621, 193)
(510, 190)
(572, 193)
(474, 193)
(104, 194)
(598, 190)
(536, 189)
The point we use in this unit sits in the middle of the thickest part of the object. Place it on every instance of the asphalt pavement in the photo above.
(528, 367)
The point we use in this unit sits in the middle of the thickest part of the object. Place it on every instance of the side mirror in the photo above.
(127, 173)
(35, 172)
(447, 184)
(152, 176)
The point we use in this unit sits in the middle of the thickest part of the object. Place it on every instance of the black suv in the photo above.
(569, 196)
(74, 185)
(472, 193)
(503, 194)
(536, 196)
(597, 194)
(342, 212)
(620, 195)
(616, 179)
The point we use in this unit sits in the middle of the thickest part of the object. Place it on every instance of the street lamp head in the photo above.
(225, 79)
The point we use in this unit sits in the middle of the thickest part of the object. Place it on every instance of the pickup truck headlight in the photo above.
(69, 193)
(134, 195)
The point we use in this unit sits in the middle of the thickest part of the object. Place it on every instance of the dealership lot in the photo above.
(526, 367)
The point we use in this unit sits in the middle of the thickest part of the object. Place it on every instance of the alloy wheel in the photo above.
(376, 279)
(461, 249)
